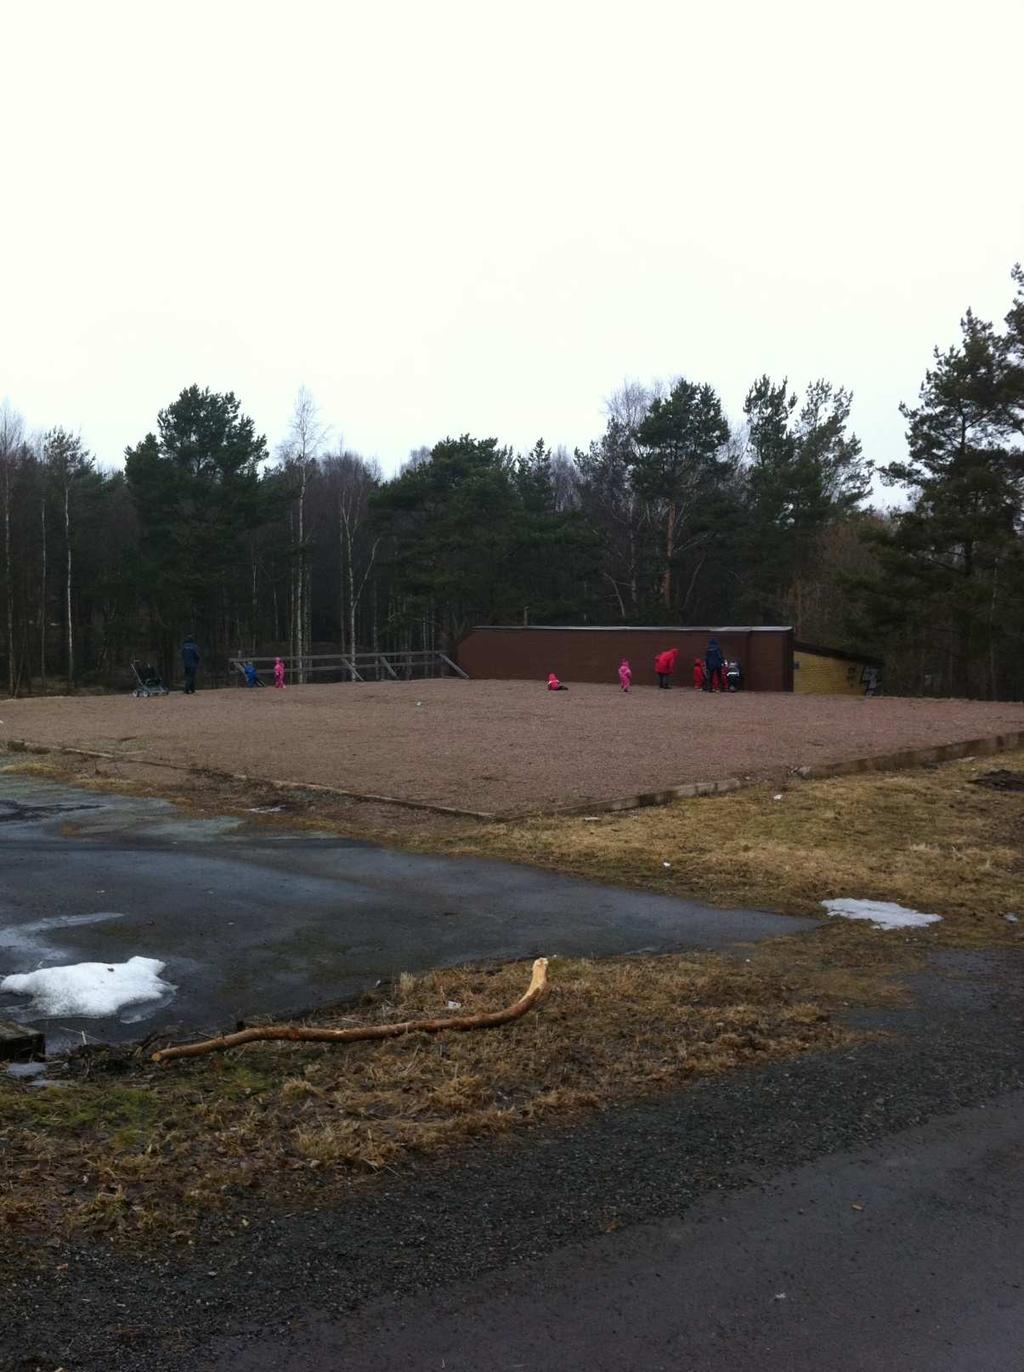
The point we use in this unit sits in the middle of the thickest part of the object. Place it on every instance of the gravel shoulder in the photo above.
(498, 746)
(494, 1209)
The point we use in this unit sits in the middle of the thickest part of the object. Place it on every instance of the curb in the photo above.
(905, 759)
(21, 745)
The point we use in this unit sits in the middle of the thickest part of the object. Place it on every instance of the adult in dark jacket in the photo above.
(714, 662)
(190, 662)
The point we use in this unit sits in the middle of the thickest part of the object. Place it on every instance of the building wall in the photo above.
(821, 674)
(504, 654)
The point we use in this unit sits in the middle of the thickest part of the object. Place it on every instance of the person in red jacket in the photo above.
(554, 684)
(698, 674)
(665, 666)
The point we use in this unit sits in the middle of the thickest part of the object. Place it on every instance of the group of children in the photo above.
(252, 676)
(710, 673)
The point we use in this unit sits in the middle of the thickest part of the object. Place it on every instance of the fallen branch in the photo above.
(303, 1034)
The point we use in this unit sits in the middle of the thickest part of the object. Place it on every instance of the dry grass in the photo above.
(928, 839)
(154, 1148)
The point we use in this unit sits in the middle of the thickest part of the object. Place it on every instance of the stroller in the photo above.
(733, 675)
(147, 680)
(251, 675)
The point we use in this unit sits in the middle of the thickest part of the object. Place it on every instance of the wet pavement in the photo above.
(906, 1255)
(252, 920)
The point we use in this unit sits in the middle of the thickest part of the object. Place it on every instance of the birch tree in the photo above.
(299, 453)
(12, 434)
(351, 481)
(66, 464)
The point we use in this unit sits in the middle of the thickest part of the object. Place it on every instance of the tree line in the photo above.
(673, 515)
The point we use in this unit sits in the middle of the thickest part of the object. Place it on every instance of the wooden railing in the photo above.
(393, 666)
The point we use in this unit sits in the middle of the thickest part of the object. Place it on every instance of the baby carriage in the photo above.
(147, 680)
(250, 674)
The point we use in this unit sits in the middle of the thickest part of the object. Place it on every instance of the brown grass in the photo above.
(153, 1148)
(929, 839)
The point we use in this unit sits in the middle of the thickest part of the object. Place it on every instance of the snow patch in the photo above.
(94, 990)
(883, 914)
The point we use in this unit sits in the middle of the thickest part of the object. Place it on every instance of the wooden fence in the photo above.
(394, 666)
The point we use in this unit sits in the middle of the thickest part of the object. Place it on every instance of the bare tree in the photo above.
(66, 461)
(299, 452)
(629, 405)
(565, 481)
(353, 480)
(12, 431)
(38, 447)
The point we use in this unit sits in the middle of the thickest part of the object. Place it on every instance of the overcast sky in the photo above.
(470, 217)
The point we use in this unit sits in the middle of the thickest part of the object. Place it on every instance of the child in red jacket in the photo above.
(665, 665)
(625, 674)
(698, 674)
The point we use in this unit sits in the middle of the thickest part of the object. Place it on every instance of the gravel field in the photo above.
(498, 746)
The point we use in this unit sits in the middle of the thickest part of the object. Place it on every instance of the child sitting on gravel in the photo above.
(554, 684)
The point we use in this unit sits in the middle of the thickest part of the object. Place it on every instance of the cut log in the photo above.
(298, 1033)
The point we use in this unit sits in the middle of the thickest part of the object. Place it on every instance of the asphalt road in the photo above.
(255, 920)
(905, 1256)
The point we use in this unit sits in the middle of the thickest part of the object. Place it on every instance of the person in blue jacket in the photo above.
(714, 662)
(190, 662)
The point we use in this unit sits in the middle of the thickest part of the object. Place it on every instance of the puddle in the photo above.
(13, 811)
(1001, 780)
(32, 937)
(33, 1074)
(26, 1070)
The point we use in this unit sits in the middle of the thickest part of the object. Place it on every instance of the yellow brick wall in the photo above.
(816, 674)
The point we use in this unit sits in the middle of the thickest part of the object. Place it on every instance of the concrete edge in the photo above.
(637, 802)
(904, 759)
(20, 745)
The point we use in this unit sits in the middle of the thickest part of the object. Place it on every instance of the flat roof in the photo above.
(634, 628)
(844, 654)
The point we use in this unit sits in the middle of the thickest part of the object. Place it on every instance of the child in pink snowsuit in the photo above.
(625, 674)
(279, 674)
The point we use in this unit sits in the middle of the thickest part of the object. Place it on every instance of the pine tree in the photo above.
(804, 474)
(679, 464)
(953, 565)
(197, 490)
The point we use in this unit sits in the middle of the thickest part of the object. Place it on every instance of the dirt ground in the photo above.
(497, 746)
